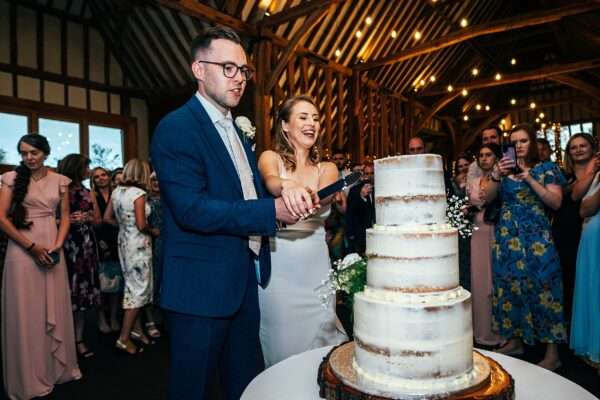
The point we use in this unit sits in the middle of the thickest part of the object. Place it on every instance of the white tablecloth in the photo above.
(296, 379)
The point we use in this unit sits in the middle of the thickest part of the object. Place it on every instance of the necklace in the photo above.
(41, 176)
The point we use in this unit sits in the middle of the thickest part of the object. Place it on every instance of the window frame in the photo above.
(34, 110)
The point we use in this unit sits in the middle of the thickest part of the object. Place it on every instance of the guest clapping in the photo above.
(527, 281)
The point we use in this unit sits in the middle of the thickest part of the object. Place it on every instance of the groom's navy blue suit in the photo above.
(209, 284)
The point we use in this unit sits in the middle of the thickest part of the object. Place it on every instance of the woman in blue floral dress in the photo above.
(528, 297)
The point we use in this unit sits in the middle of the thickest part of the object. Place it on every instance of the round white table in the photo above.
(296, 378)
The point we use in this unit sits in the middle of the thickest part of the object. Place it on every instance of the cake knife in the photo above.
(339, 185)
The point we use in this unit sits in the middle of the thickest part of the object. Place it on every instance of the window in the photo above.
(63, 138)
(106, 147)
(13, 127)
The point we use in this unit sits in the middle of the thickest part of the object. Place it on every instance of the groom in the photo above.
(216, 217)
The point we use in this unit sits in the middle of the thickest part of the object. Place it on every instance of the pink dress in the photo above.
(481, 271)
(38, 340)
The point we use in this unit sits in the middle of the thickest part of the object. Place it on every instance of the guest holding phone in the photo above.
(38, 343)
(81, 245)
(528, 296)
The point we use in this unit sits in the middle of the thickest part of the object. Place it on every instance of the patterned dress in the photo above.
(81, 252)
(528, 296)
(135, 248)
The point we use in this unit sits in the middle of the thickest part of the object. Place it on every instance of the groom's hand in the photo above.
(283, 214)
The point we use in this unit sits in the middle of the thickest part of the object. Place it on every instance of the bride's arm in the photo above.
(269, 167)
(329, 174)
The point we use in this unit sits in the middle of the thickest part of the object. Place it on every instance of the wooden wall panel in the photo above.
(98, 101)
(28, 88)
(116, 74)
(6, 84)
(96, 57)
(115, 103)
(54, 93)
(75, 50)
(4, 32)
(77, 97)
(26, 33)
(139, 110)
(52, 45)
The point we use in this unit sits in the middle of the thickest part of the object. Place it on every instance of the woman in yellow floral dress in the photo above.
(528, 296)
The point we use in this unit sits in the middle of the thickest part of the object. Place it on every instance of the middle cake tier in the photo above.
(412, 259)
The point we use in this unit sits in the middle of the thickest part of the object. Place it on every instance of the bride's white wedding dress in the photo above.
(292, 316)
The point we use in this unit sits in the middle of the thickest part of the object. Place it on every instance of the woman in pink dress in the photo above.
(481, 256)
(38, 343)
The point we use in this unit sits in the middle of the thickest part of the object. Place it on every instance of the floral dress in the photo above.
(81, 253)
(528, 294)
(135, 248)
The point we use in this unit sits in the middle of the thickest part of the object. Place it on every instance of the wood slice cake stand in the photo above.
(499, 385)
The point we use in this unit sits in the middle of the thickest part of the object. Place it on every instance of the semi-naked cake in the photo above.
(412, 323)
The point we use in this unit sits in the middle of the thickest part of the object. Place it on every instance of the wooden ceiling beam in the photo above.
(540, 73)
(579, 84)
(294, 13)
(288, 52)
(205, 12)
(488, 28)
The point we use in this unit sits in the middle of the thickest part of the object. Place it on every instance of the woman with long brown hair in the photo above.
(528, 295)
(293, 319)
(38, 340)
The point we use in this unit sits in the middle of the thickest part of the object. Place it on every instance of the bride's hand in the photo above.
(297, 199)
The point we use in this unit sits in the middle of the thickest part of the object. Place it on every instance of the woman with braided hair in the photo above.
(38, 343)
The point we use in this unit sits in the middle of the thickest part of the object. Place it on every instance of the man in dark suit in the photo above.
(216, 217)
(360, 211)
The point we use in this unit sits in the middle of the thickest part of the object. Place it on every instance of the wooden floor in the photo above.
(111, 376)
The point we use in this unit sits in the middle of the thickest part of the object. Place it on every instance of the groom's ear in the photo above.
(198, 70)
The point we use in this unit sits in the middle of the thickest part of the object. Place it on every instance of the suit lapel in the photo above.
(212, 137)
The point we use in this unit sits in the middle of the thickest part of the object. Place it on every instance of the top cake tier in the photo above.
(410, 190)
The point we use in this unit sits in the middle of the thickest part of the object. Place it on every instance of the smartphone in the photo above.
(510, 152)
(55, 256)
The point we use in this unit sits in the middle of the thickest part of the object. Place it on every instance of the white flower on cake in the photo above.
(246, 127)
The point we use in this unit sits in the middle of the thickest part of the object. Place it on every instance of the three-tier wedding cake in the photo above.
(413, 337)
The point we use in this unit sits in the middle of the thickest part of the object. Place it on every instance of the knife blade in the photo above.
(339, 185)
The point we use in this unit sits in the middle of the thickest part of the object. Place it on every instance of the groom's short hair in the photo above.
(205, 38)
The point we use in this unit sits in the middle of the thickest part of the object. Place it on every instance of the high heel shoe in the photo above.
(83, 350)
(128, 348)
(152, 330)
(141, 338)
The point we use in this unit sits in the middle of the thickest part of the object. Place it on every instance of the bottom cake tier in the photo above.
(338, 381)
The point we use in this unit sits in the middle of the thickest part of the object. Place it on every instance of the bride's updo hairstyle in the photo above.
(282, 143)
(21, 184)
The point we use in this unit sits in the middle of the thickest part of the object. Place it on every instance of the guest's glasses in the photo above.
(230, 69)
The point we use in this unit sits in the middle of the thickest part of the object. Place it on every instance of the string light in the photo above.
(358, 34)
(338, 53)
(513, 61)
(502, 121)
(487, 107)
(478, 107)
(368, 21)
(542, 115)
(543, 125)
(432, 78)
(466, 117)
(513, 101)
(464, 22)
(417, 35)
(422, 82)
(532, 105)
(498, 76)
(450, 88)
(475, 72)
(537, 120)
(394, 34)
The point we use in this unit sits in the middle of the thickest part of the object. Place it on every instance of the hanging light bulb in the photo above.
(464, 22)
(369, 20)
(338, 53)
(417, 35)
(542, 115)
(487, 107)
(478, 107)
(358, 34)
(394, 34)
(475, 72)
(450, 88)
(513, 101)
(432, 78)
(513, 61)
(466, 117)
(498, 76)
(465, 92)
(532, 105)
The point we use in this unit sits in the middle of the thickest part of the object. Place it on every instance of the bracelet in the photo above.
(31, 246)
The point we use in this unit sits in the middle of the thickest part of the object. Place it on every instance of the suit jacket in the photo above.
(360, 216)
(206, 221)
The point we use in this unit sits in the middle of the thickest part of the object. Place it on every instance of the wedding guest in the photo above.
(585, 325)
(458, 187)
(481, 244)
(544, 149)
(81, 245)
(360, 211)
(580, 168)
(335, 223)
(491, 134)
(293, 319)
(109, 272)
(459, 181)
(416, 145)
(116, 177)
(130, 209)
(38, 342)
(527, 299)
(338, 157)
(356, 167)
(155, 219)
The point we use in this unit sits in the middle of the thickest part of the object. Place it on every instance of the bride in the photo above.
(293, 318)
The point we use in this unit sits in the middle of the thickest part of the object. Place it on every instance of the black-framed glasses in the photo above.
(230, 69)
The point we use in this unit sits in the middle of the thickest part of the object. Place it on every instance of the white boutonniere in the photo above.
(246, 127)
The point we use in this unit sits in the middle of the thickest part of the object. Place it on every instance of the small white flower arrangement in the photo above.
(348, 275)
(457, 216)
(246, 127)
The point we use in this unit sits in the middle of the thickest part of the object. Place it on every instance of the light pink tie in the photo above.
(244, 172)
